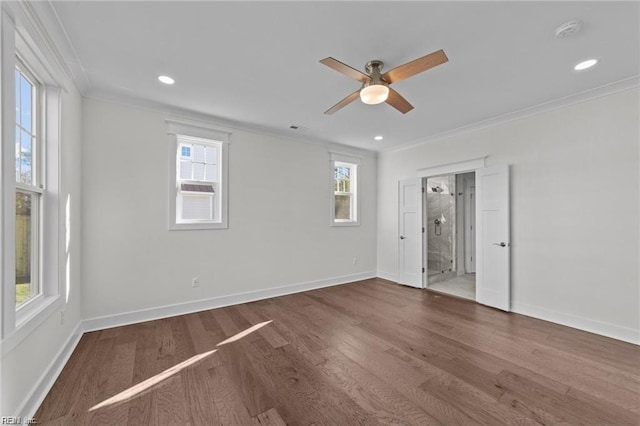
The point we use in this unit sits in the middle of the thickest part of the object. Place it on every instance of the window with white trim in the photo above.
(197, 180)
(30, 118)
(198, 192)
(344, 184)
(29, 186)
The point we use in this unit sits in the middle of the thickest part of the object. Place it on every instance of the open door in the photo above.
(470, 226)
(493, 282)
(410, 268)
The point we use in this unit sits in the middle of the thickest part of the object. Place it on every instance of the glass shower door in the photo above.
(440, 228)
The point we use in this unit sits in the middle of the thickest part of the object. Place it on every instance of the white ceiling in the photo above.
(257, 63)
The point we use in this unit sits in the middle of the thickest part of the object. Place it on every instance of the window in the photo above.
(196, 181)
(29, 187)
(344, 191)
(30, 184)
(344, 201)
(198, 192)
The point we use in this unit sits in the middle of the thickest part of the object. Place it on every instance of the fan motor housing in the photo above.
(373, 68)
(373, 65)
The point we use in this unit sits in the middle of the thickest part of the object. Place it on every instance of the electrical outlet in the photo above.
(355, 260)
(195, 282)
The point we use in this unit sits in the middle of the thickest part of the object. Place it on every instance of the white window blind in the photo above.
(197, 207)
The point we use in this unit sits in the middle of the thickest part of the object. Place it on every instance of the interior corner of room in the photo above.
(505, 184)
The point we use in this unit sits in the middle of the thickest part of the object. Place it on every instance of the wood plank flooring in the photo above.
(370, 352)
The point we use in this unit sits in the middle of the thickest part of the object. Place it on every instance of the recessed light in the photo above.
(585, 64)
(166, 79)
(378, 138)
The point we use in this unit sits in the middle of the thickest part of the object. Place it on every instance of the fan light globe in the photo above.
(374, 94)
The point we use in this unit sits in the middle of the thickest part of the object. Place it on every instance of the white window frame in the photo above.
(200, 134)
(24, 41)
(213, 197)
(36, 188)
(353, 162)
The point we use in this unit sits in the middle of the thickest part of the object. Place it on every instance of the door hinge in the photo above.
(423, 229)
(423, 270)
(423, 189)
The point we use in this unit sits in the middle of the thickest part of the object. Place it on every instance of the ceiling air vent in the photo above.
(569, 28)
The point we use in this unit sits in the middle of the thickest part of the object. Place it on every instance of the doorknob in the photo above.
(501, 244)
(402, 237)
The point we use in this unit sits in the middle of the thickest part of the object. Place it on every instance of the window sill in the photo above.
(29, 320)
(195, 226)
(345, 223)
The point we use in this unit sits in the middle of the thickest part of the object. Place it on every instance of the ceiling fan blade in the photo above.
(345, 69)
(415, 67)
(343, 103)
(398, 102)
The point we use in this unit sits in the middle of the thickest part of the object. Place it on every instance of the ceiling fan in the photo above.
(375, 85)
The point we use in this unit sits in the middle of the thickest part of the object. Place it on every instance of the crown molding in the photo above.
(580, 97)
(45, 14)
(42, 17)
(182, 114)
(34, 23)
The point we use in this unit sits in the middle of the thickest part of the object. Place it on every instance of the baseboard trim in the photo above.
(47, 379)
(606, 329)
(44, 384)
(117, 320)
(389, 276)
(386, 280)
(614, 331)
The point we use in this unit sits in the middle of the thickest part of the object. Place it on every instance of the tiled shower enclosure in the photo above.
(440, 228)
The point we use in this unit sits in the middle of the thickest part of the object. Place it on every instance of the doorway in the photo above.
(490, 235)
(449, 224)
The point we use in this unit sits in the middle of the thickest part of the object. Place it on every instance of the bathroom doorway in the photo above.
(449, 233)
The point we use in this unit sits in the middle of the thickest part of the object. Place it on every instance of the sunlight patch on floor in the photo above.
(152, 381)
(244, 333)
(141, 387)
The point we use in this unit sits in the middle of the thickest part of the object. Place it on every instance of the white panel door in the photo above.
(410, 232)
(470, 227)
(493, 238)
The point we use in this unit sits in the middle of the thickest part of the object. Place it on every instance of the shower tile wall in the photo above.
(440, 238)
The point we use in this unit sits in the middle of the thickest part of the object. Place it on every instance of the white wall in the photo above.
(278, 234)
(574, 201)
(27, 365)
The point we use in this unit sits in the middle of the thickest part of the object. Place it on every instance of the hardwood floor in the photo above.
(370, 352)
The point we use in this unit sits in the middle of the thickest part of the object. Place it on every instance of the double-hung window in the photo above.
(198, 187)
(197, 180)
(29, 186)
(344, 184)
(30, 116)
